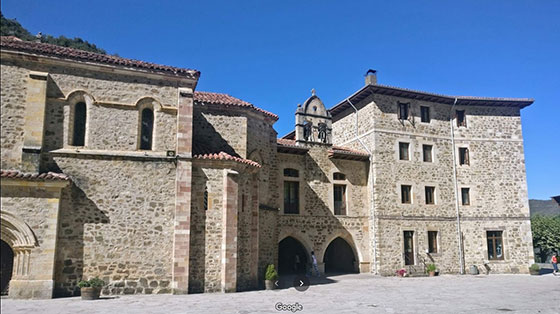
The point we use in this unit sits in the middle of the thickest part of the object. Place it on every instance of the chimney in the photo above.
(38, 37)
(371, 77)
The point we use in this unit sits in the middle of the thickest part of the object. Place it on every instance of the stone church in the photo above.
(121, 169)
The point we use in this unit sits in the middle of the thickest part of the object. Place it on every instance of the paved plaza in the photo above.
(338, 294)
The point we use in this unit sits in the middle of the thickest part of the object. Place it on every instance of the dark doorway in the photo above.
(409, 247)
(292, 257)
(6, 263)
(339, 257)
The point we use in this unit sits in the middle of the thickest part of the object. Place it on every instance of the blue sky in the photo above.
(272, 53)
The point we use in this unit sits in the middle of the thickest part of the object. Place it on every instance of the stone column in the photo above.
(255, 231)
(229, 231)
(183, 181)
(34, 121)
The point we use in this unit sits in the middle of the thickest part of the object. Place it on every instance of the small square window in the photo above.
(430, 192)
(406, 194)
(465, 196)
(425, 114)
(403, 151)
(464, 156)
(461, 118)
(289, 172)
(427, 153)
(432, 242)
(339, 176)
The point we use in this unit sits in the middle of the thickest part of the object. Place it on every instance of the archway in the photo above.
(292, 257)
(6, 266)
(339, 257)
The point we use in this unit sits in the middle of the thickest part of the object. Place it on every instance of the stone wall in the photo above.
(220, 130)
(116, 226)
(316, 225)
(495, 176)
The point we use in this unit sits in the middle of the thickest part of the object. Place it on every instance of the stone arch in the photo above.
(74, 98)
(146, 101)
(21, 239)
(346, 236)
(294, 246)
(313, 105)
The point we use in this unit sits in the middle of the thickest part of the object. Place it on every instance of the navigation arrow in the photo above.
(276, 283)
(300, 283)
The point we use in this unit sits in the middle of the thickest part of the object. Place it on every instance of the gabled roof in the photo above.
(204, 152)
(367, 90)
(48, 176)
(49, 50)
(227, 100)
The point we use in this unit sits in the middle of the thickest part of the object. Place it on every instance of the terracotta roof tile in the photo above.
(226, 156)
(48, 176)
(14, 43)
(227, 100)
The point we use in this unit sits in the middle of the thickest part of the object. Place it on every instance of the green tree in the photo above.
(10, 27)
(546, 234)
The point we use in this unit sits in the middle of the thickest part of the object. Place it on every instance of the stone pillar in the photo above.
(255, 231)
(229, 231)
(34, 121)
(183, 183)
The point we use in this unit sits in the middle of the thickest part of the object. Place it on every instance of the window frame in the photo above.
(407, 151)
(344, 202)
(431, 153)
(432, 194)
(493, 240)
(462, 123)
(436, 251)
(142, 129)
(428, 111)
(468, 202)
(402, 194)
(292, 178)
(82, 122)
(464, 159)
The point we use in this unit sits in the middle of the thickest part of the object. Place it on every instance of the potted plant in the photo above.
(91, 289)
(401, 272)
(534, 269)
(431, 269)
(270, 277)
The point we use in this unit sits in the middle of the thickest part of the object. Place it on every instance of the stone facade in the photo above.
(218, 197)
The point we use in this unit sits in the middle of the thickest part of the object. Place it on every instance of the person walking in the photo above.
(554, 261)
(314, 264)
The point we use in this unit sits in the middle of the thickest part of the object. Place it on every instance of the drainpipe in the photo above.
(372, 190)
(459, 236)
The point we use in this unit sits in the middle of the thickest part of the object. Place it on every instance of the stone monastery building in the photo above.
(121, 169)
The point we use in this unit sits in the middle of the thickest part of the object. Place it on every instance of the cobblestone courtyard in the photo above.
(344, 294)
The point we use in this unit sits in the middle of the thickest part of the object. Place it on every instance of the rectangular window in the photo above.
(403, 111)
(291, 197)
(465, 197)
(339, 199)
(403, 151)
(461, 118)
(427, 153)
(432, 242)
(495, 245)
(430, 192)
(406, 191)
(463, 156)
(425, 114)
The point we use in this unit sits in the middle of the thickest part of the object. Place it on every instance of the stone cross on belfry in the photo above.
(313, 92)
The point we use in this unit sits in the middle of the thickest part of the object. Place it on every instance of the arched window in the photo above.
(146, 129)
(79, 134)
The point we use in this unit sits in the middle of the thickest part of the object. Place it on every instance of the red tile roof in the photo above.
(227, 100)
(226, 156)
(14, 43)
(49, 176)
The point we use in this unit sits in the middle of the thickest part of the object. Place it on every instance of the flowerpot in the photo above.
(90, 293)
(269, 284)
(534, 272)
(432, 273)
